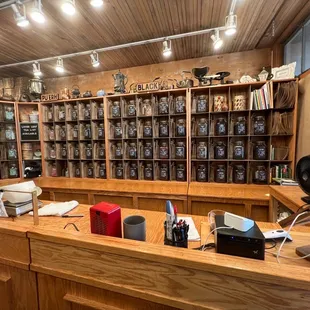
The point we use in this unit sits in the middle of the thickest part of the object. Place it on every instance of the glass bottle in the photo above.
(260, 150)
(119, 171)
(87, 111)
(133, 172)
(75, 133)
(87, 131)
(50, 114)
(13, 171)
(239, 174)
(102, 171)
(101, 131)
(51, 133)
(100, 112)
(132, 130)
(66, 172)
(89, 151)
(180, 173)
(61, 113)
(201, 174)
(220, 150)
(202, 127)
(54, 170)
(101, 151)
(164, 172)
(116, 109)
(12, 152)
(180, 128)
(118, 151)
(240, 126)
(221, 127)
(163, 106)
(238, 150)
(64, 151)
(77, 171)
(147, 107)
(131, 108)
(90, 171)
(76, 152)
(220, 174)
(62, 132)
(163, 151)
(163, 128)
(180, 150)
(260, 175)
(202, 150)
(259, 125)
(202, 104)
(132, 151)
(74, 113)
(147, 129)
(148, 150)
(52, 152)
(118, 131)
(180, 105)
(148, 172)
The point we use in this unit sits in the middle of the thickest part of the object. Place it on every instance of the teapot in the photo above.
(100, 93)
(87, 94)
(120, 81)
(75, 92)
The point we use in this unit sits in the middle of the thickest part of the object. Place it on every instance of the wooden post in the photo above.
(35, 208)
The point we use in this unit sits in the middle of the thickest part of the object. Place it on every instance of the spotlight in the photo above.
(167, 48)
(217, 41)
(36, 12)
(60, 65)
(96, 3)
(21, 19)
(95, 59)
(231, 24)
(68, 7)
(36, 69)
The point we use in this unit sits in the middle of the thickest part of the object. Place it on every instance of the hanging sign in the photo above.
(49, 97)
(29, 132)
(147, 86)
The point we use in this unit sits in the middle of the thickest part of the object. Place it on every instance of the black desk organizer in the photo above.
(181, 243)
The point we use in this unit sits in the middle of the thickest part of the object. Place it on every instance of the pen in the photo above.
(72, 215)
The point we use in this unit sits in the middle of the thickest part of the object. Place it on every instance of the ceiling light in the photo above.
(21, 19)
(68, 7)
(36, 69)
(36, 12)
(217, 41)
(231, 24)
(95, 59)
(167, 51)
(60, 65)
(96, 3)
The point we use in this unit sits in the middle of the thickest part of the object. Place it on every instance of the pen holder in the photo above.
(179, 238)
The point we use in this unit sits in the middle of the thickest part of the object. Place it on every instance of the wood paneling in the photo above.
(260, 213)
(65, 196)
(156, 204)
(124, 202)
(203, 208)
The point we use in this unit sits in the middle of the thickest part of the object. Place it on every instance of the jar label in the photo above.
(119, 172)
(12, 154)
(221, 129)
(180, 107)
(240, 176)
(64, 153)
(181, 130)
(163, 131)
(202, 152)
(202, 129)
(147, 152)
(221, 175)
(101, 152)
(100, 113)
(163, 152)
(163, 173)
(118, 152)
(148, 173)
(90, 172)
(100, 133)
(116, 111)
(239, 152)
(131, 110)
(133, 172)
(77, 172)
(202, 105)
(201, 175)
(9, 115)
(261, 152)
(240, 129)
(75, 134)
(118, 131)
(88, 153)
(87, 133)
(259, 127)
(261, 176)
(220, 152)
(132, 132)
(132, 152)
(102, 172)
(180, 174)
(163, 108)
(13, 172)
(179, 152)
(147, 131)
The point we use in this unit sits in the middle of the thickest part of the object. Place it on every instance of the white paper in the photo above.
(57, 209)
(193, 234)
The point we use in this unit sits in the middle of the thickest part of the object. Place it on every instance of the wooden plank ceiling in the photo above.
(123, 21)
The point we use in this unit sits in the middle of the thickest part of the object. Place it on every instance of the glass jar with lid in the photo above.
(119, 171)
(238, 150)
(116, 109)
(220, 150)
(221, 127)
(180, 128)
(13, 171)
(51, 133)
(61, 113)
(74, 113)
(163, 106)
(9, 113)
(180, 105)
(87, 111)
(202, 150)
(260, 125)
(64, 151)
(87, 131)
(101, 132)
(133, 171)
(102, 171)
(118, 151)
(240, 126)
(89, 151)
(260, 175)
(52, 152)
(50, 114)
(90, 171)
(181, 173)
(54, 170)
(147, 107)
(180, 150)
(75, 132)
(202, 104)
(132, 151)
(100, 111)
(220, 174)
(163, 150)
(148, 150)
(148, 172)
(201, 174)
(77, 171)
(131, 108)
(147, 129)
(202, 128)
(260, 150)
(101, 151)
(164, 172)
(10, 133)
(118, 131)
(12, 152)
(62, 132)
(239, 174)
(76, 152)
(132, 130)
(163, 128)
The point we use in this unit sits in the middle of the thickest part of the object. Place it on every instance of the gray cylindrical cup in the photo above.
(134, 227)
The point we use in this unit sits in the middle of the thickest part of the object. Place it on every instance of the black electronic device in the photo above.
(250, 244)
(303, 176)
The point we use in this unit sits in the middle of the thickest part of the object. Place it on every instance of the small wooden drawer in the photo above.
(122, 201)
(159, 204)
(67, 196)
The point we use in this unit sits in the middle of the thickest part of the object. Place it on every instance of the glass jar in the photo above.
(89, 151)
(163, 151)
(76, 152)
(13, 171)
(9, 113)
(118, 131)
(51, 133)
(61, 113)
(221, 127)
(66, 172)
(220, 174)
(102, 171)
(148, 172)
(202, 150)
(202, 127)
(52, 152)
(220, 150)
(119, 171)
(90, 171)
(202, 104)
(201, 174)
(131, 108)
(164, 172)
(10, 133)
(240, 126)
(87, 132)
(118, 151)
(259, 125)
(238, 150)
(163, 106)
(77, 171)
(100, 112)
(147, 129)
(163, 128)
(220, 104)
(50, 114)
(260, 175)
(64, 151)
(132, 151)
(87, 111)
(62, 132)
(239, 103)
(180, 150)
(116, 109)
(147, 107)
(75, 133)
(180, 128)
(148, 150)
(260, 150)
(12, 152)
(180, 105)
(101, 151)
(133, 172)
(239, 176)
(54, 170)
(132, 130)
(74, 113)
(101, 131)
(180, 173)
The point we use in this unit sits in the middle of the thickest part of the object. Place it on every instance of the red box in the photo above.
(105, 219)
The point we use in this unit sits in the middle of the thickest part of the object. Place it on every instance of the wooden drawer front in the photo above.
(81, 198)
(56, 293)
(203, 208)
(157, 204)
(45, 195)
(260, 213)
(123, 202)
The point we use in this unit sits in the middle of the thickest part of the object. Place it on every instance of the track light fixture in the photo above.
(68, 7)
(217, 41)
(96, 3)
(167, 51)
(20, 15)
(36, 69)
(60, 65)
(231, 24)
(36, 12)
(95, 59)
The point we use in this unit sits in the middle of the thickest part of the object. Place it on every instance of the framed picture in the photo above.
(284, 72)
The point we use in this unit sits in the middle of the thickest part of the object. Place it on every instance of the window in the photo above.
(307, 46)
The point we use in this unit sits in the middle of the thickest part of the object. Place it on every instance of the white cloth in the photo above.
(57, 208)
